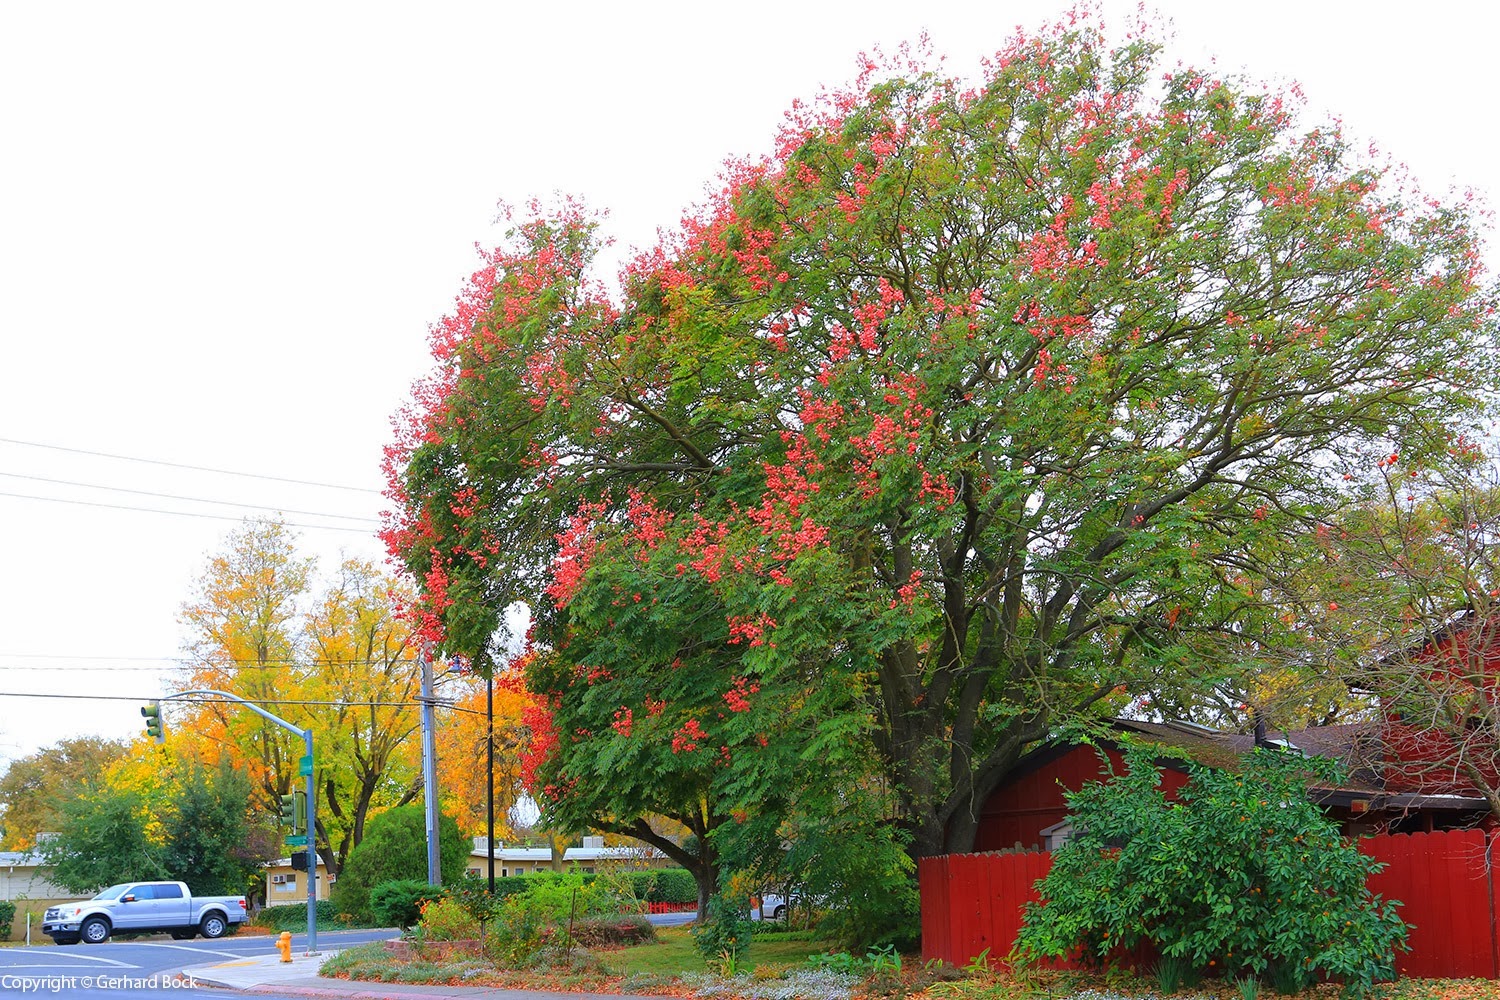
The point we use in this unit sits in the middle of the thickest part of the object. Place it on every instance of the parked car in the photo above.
(143, 907)
(778, 905)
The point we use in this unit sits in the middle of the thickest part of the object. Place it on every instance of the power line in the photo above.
(189, 663)
(219, 701)
(176, 496)
(194, 468)
(178, 513)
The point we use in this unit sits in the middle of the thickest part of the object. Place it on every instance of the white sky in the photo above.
(224, 229)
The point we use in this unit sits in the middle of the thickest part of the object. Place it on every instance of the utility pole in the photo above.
(429, 767)
(489, 769)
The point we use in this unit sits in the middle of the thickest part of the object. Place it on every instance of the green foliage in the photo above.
(446, 919)
(101, 840)
(207, 831)
(724, 933)
(203, 835)
(7, 914)
(399, 903)
(1175, 971)
(394, 848)
(556, 897)
(663, 885)
(1242, 874)
(293, 917)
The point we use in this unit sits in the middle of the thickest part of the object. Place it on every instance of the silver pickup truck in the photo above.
(141, 907)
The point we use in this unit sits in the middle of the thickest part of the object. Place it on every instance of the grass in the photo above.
(674, 954)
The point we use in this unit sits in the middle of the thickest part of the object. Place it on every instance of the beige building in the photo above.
(514, 860)
(23, 876)
(284, 884)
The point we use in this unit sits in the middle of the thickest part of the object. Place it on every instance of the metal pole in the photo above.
(312, 851)
(429, 769)
(312, 812)
(489, 771)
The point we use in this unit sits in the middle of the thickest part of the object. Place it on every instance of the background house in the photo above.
(1022, 811)
(23, 876)
(286, 885)
(513, 859)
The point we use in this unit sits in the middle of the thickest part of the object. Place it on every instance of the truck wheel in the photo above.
(95, 930)
(779, 913)
(214, 925)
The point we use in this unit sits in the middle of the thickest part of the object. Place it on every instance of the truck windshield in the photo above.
(113, 892)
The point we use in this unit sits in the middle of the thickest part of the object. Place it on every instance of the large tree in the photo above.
(964, 406)
(338, 661)
(34, 789)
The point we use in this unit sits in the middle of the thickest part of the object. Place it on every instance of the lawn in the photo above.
(673, 953)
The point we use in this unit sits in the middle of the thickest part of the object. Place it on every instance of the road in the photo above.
(137, 970)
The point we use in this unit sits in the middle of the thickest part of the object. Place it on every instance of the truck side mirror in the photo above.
(128, 898)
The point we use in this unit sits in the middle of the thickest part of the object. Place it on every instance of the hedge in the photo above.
(660, 885)
(293, 917)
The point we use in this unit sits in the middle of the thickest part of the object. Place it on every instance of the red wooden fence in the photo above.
(973, 902)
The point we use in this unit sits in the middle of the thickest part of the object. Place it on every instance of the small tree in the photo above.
(1243, 874)
(102, 840)
(210, 843)
(394, 848)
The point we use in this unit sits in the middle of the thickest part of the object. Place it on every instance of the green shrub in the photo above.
(447, 920)
(554, 896)
(724, 934)
(7, 914)
(1243, 875)
(399, 903)
(293, 917)
(395, 848)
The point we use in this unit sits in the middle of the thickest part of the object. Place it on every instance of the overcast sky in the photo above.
(225, 228)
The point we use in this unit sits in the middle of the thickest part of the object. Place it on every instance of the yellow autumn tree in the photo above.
(463, 736)
(339, 663)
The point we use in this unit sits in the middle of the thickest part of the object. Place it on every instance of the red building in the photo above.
(1030, 801)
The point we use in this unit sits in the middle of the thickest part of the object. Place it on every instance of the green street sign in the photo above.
(304, 765)
(297, 840)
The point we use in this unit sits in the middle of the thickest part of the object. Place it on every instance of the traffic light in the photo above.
(154, 729)
(291, 811)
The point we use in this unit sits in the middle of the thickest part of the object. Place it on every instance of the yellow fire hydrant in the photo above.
(284, 945)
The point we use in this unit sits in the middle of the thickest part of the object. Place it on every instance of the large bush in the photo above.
(395, 848)
(7, 914)
(1243, 874)
(399, 903)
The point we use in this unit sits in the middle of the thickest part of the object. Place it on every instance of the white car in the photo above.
(145, 907)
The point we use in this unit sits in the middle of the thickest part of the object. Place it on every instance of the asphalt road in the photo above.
(137, 970)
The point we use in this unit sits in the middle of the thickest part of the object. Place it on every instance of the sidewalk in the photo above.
(299, 977)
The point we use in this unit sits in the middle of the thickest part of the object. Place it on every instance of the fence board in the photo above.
(1444, 881)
